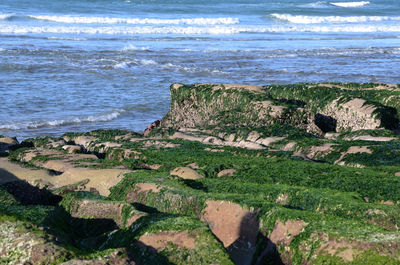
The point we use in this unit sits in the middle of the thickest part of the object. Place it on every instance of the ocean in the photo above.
(80, 65)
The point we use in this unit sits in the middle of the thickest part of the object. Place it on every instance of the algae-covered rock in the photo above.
(233, 174)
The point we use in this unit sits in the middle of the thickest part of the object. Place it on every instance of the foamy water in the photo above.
(350, 4)
(84, 65)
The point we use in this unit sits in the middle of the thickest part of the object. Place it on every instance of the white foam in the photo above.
(104, 117)
(336, 29)
(319, 4)
(132, 47)
(218, 30)
(139, 21)
(121, 30)
(5, 16)
(350, 4)
(298, 19)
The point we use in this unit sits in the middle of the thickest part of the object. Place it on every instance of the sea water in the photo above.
(79, 65)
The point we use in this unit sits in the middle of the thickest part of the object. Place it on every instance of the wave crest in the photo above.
(138, 21)
(219, 30)
(104, 117)
(299, 19)
(350, 4)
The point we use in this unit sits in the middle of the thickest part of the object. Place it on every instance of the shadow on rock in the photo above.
(252, 247)
(75, 236)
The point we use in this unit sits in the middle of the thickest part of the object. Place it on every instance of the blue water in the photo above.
(70, 65)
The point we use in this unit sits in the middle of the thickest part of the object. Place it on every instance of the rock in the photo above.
(151, 127)
(253, 108)
(193, 166)
(387, 202)
(289, 146)
(73, 149)
(226, 173)
(370, 138)
(231, 223)
(253, 136)
(356, 114)
(151, 167)
(145, 187)
(100, 179)
(56, 144)
(319, 151)
(7, 144)
(269, 140)
(186, 173)
(353, 150)
(118, 257)
(331, 135)
(84, 141)
(283, 233)
(8, 140)
(121, 154)
(161, 240)
(94, 209)
(21, 246)
(10, 172)
(397, 174)
(103, 147)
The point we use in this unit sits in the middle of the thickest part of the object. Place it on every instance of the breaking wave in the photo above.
(299, 19)
(219, 30)
(167, 66)
(104, 117)
(350, 4)
(138, 21)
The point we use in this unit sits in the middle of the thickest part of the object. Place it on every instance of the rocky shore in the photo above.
(233, 174)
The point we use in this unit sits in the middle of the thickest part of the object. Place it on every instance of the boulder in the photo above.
(151, 127)
(226, 173)
(357, 114)
(7, 144)
(84, 141)
(186, 173)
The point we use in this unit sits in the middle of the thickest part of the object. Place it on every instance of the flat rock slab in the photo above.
(99, 179)
(160, 240)
(371, 138)
(12, 172)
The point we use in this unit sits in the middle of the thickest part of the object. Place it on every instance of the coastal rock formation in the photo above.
(7, 144)
(233, 174)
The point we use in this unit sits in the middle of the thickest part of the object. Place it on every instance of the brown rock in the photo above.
(231, 223)
(8, 140)
(186, 173)
(72, 149)
(285, 232)
(151, 127)
(94, 209)
(7, 144)
(84, 141)
(226, 173)
(144, 187)
(99, 179)
(160, 240)
(387, 202)
(103, 147)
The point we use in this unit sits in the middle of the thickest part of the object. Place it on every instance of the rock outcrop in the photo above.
(233, 174)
